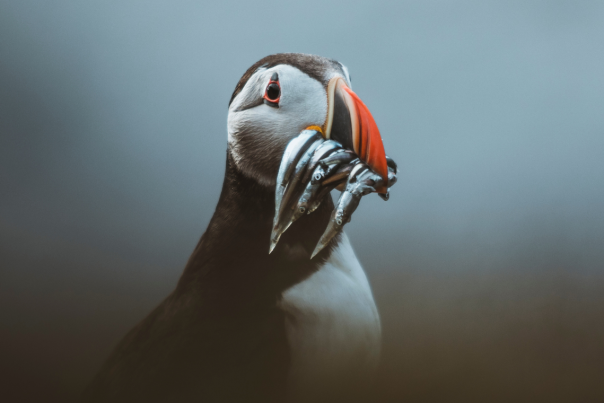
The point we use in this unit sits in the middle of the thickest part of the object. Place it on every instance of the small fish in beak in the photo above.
(345, 153)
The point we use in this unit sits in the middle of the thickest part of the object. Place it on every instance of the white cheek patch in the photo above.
(303, 99)
(253, 89)
(257, 133)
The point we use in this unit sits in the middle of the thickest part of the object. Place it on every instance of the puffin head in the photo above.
(283, 94)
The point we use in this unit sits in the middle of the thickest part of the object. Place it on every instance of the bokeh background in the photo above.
(487, 263)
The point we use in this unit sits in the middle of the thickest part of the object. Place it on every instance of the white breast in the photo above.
(333, 329)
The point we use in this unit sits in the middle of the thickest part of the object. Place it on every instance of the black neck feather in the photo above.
(232, 255)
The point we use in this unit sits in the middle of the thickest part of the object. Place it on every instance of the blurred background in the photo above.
(487, 263)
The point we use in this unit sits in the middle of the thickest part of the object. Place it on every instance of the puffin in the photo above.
(251, 321)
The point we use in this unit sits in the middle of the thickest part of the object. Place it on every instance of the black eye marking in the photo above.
(272, 94)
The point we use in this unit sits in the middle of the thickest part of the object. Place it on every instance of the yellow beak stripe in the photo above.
(316, 128)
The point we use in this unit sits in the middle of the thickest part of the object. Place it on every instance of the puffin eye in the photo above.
(273, 92)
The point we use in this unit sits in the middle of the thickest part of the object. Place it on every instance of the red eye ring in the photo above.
(272, 93)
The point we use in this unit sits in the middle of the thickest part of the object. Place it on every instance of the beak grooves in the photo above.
(366, 138)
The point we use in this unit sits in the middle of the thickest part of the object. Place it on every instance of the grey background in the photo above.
(486, 263)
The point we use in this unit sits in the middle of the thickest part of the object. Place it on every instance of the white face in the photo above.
(259, 134)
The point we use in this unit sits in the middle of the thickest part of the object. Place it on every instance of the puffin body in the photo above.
(244, 325)
(333, 331)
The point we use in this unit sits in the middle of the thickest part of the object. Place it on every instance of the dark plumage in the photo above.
(220, 335)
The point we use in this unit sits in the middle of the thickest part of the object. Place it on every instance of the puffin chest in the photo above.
(332, 325)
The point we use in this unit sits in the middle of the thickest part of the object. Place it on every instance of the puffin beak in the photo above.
(350, 123)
